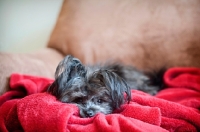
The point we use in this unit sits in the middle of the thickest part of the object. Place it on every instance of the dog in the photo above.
(98, 88)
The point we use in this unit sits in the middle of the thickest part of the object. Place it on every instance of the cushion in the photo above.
(41, 63)
(146, 34)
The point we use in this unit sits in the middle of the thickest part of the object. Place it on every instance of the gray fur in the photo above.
(97, 89)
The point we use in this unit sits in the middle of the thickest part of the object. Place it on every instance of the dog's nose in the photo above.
(89, 113)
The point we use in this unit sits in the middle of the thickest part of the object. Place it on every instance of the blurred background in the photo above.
(26, 25)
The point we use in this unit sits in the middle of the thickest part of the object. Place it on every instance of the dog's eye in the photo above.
(78, 100)
(99, 101)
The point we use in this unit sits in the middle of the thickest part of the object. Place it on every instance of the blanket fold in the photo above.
(27, 107)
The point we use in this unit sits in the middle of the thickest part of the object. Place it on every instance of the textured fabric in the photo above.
(27, 107)
(38, 63)
(147, 34)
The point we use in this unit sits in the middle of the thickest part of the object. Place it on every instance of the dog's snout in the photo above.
(89, 113)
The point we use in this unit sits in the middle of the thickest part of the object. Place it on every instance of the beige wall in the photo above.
(25, 25)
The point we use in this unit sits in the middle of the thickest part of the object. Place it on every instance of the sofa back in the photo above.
(146, 34)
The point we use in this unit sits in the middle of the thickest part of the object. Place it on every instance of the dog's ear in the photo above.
(119, 89)
(69, 68)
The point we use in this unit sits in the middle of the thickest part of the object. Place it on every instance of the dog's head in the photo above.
(94, 91)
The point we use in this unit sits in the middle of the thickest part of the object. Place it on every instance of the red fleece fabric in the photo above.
(27, 107)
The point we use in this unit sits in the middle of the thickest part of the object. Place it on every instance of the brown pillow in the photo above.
(146, 34)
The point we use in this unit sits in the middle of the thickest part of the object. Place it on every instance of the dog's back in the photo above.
(150, 81)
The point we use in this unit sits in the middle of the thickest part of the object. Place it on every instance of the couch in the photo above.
(145, 34)
(148, 34)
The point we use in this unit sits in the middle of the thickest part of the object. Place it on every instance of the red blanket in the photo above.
(27, 107)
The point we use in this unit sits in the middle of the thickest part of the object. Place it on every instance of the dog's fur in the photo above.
(97, 88)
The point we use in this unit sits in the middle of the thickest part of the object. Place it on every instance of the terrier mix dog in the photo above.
(98, 89)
